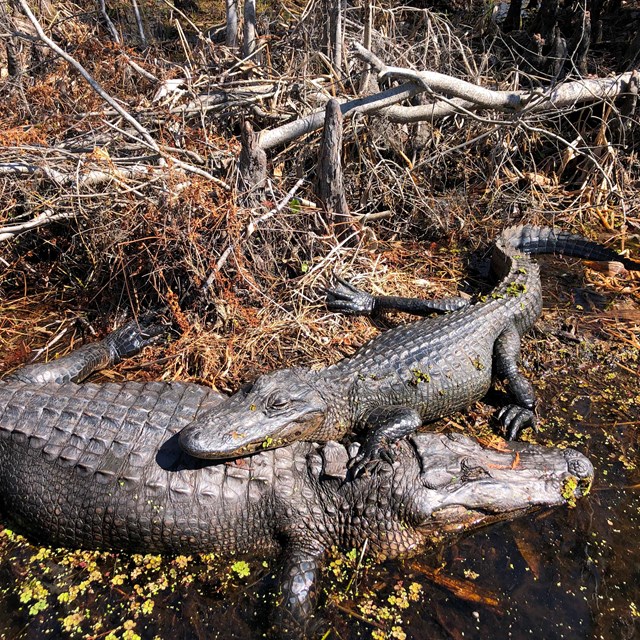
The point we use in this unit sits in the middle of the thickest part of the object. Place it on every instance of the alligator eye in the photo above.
(277, 402)
(471, 473)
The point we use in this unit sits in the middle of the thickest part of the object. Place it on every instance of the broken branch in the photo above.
(62, 179)
(467, 97)
(371, 104)
(46, 217)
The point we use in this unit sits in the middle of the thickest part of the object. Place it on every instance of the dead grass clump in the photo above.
(137, 234)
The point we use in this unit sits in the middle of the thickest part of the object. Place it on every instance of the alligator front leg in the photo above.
(345, 298)
(121, 343)
(384, 426)
(299, 588)
(506, 352)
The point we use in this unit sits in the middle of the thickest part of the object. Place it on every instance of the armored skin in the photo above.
(99, 466)
(407, 376)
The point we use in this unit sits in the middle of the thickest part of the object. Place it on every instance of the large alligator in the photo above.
(99, 466)
(409, 375)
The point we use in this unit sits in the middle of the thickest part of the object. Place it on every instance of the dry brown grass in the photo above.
(153, 240)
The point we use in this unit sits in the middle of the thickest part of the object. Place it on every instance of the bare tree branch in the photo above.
(364, 81)
(85, 74)
(434, 82)
(467, 97)
(64, 179)
(249, 38)
(136, 12)
(556, 99)
(143, 72)
(108, 22)
(470, 96)
(232, 23)
(336, 19)
(46, 217)
(371, 104)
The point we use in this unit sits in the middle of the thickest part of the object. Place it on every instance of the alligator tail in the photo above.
(76, 366)
(530, 239)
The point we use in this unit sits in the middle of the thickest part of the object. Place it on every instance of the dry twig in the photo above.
(46, 217)
(251, 228)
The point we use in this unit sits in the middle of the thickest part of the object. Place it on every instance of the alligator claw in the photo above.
(387, 455)
(345, 298)
(515, 418)
(371, 452)
(135, 335)
(358, 466)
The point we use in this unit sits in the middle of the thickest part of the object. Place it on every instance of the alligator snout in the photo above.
(578, 465)
(191, 441)
(209, 442)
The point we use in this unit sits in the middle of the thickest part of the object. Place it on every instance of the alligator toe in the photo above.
(515, 418)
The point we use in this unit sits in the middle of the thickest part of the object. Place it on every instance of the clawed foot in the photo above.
(515, 418)
(135, 335)
(345, 298)
(372, 451)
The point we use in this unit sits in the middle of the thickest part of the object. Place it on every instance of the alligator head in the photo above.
(441, 486)
(279, 407)
(464, 485)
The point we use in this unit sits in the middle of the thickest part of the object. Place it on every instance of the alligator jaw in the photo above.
(196, 439)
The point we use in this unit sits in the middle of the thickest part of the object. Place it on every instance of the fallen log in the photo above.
(451, 96)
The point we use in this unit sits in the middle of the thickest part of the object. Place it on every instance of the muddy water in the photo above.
(561, 573)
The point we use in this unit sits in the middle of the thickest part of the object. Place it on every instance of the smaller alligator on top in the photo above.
(409, 375)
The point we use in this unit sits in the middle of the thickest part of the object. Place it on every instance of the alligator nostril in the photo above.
(191, 436)
(578, 465)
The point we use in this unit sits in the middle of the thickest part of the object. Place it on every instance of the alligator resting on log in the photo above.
(407, 376)
(99, 466)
